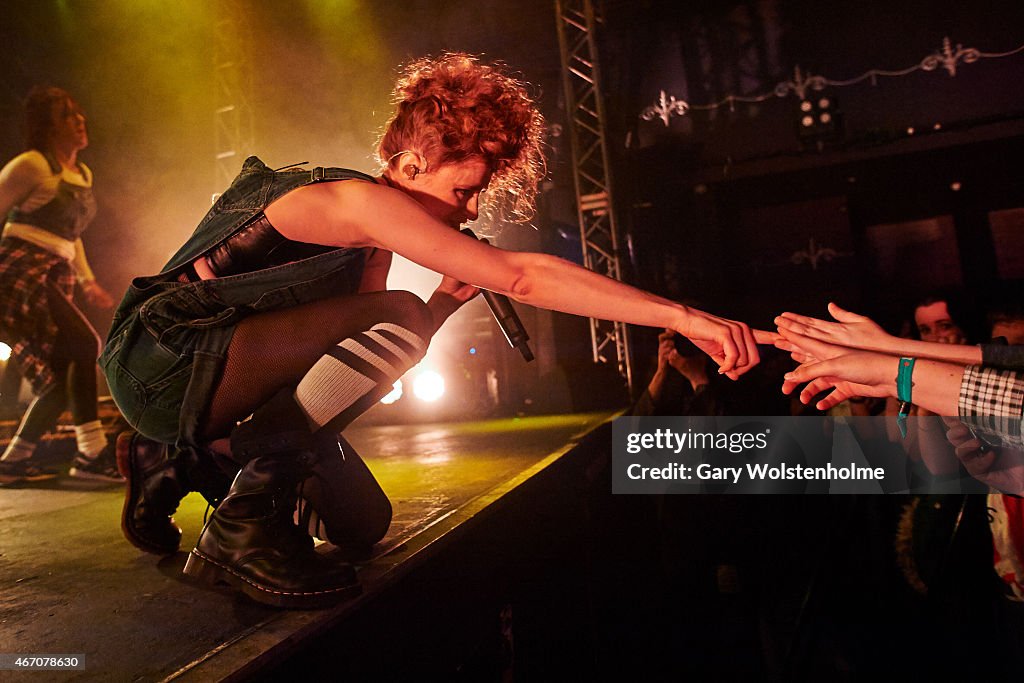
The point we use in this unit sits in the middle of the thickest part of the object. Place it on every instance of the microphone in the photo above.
(506, 316)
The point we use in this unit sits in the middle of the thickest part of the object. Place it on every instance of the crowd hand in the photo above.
(731, 344)
(96, 295)
(999, 467)
(666, 349)
(858, 373)
(690, 367)
(693, 368)
(850, 330)
(805, 349)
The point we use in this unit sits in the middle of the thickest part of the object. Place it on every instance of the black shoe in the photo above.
(250, 542)
(14, 471)
(102, 468)
(341, 502)
(151, 496)
(158, 477)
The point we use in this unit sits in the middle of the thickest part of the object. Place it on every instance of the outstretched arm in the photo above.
(365, 214)
(860, 332)
(936, 385)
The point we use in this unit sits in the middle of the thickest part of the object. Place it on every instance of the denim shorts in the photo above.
(163, 362)
(165, 355)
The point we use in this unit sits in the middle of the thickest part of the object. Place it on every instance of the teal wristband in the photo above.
(904, 392)
(904, 384)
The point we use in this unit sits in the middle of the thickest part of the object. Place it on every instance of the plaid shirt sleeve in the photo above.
(992, 401)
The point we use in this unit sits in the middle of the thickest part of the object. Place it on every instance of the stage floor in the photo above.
(73, 585)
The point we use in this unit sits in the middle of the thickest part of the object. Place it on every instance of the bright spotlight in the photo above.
(5, 351)
(428, 386)
(393, 395)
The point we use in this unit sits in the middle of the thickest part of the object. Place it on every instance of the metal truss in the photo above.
(585, 110)
(233, 117)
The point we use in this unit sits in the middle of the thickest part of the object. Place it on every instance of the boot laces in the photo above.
(210, 507)
(306, 515)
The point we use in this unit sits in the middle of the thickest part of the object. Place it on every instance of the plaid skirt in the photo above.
(26, 325)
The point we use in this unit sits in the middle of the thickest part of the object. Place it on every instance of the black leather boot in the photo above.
(251, 542)
(157, 477)
(341, 502)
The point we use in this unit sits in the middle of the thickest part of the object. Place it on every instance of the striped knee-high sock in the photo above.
(356, 373)
(91, 439)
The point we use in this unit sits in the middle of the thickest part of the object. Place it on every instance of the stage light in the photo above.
(393, 395)
(5, 351)
(472, 350)
(428, 386)
(820, 122)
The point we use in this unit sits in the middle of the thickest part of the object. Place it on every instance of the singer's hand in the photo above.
(449, 297)
(459, 291)
(731, 344)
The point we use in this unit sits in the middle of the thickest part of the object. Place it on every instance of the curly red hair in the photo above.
(452, 108)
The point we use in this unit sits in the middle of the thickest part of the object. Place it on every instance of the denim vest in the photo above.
(168, 339)
(68, 214)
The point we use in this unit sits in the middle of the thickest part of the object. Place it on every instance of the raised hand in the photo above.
(999, 467)
(666, 349)
(859, 373)
(850, 330)
(805, 349)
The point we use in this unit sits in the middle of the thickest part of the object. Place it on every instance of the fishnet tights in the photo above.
(275, 349)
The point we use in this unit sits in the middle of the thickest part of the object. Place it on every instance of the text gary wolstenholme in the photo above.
(754, 471)
(740, 455)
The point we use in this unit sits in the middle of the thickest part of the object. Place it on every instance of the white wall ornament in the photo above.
(946, 57)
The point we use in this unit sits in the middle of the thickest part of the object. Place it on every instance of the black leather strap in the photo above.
(258, 245)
